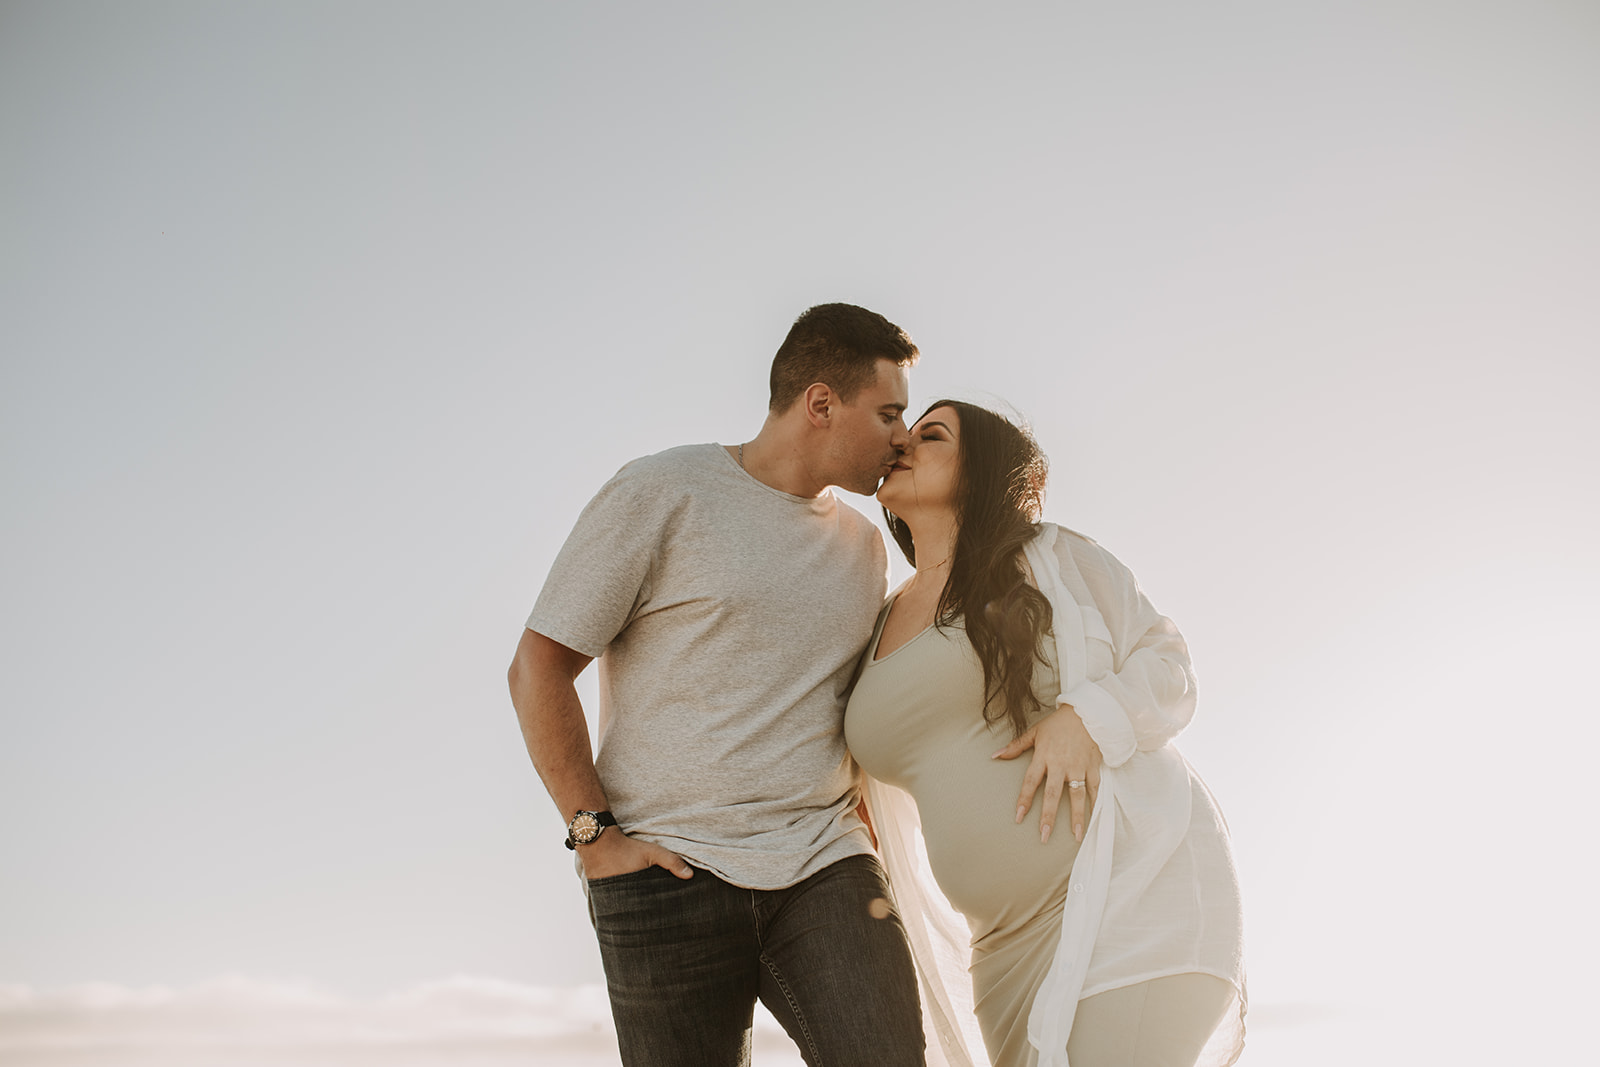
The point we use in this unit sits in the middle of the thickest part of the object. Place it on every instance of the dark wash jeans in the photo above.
(686, 960)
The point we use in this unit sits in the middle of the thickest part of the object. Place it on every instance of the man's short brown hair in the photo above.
(838, 345)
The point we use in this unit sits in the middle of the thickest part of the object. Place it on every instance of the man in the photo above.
(728, 594)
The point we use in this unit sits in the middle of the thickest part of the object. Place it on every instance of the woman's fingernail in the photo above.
(1021, 811)
(1044, 834)
(1077, 833)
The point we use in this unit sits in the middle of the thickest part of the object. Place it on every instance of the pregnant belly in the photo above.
(994, 871)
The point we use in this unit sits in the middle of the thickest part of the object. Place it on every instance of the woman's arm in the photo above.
(1144, 701)
(1148, 696)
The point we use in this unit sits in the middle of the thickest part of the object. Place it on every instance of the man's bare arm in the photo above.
(553, 727)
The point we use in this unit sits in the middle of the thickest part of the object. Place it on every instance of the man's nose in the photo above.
(901, 438)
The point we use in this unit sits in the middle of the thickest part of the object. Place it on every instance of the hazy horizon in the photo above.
(459, 1020)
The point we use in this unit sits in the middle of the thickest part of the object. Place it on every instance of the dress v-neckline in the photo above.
(877, 640)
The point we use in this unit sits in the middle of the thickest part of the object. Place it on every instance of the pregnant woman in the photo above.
(1112, 940)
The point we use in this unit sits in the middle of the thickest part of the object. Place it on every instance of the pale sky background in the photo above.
(320, 323)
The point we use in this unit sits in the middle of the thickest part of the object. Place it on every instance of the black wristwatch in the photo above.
(586, 826)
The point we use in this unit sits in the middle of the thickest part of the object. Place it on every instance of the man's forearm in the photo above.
(554, 729)
(557, 737)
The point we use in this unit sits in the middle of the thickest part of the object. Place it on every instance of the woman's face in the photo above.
(924, 480)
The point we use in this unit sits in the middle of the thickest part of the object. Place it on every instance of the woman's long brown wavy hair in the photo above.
(999, 493)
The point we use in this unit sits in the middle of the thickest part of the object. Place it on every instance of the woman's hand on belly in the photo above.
(1063, 754)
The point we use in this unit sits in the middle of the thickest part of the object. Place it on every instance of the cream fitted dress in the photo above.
(913, 723)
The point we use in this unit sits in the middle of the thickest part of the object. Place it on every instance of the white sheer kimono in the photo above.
(1155, 855)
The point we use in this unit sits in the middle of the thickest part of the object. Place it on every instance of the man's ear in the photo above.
(820, 402)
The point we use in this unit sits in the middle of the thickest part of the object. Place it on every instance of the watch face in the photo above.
(585, 828)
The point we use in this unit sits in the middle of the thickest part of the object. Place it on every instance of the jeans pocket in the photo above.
(627, 896)
(640, 875)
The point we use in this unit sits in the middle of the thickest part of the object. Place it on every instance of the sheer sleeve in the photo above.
(1148, 695)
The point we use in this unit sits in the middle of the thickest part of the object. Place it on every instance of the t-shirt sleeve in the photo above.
(601, 576)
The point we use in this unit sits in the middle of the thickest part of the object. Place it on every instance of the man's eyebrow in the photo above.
(898, 409)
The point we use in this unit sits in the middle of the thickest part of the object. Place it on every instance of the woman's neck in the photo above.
(933, 538)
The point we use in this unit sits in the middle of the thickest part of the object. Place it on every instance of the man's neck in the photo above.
(774, 458)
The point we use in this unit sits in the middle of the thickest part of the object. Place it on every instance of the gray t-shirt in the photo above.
(728, 618)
